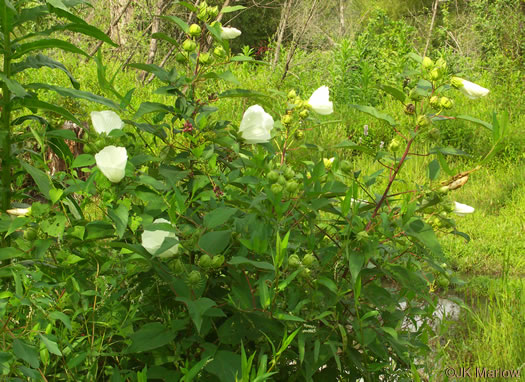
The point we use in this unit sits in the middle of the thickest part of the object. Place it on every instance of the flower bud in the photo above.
(30, 234)
(423, 121)
(292, 95)
(277, 188)
(299, 134)
(446, 103)
(361, 236)
(289, 173)
(195, 30)
(294, 261)
(181, 57)
(428, 64)
(443, 190)
(219, 51)
(194, 278)
(189, 45)
(273, 176)
(204, 58)
(456, 82)
(434, 134)
(281, 180)
(304, 114)
(435, 74)
(434, 102)
(205, 261)
(217, 261)
(328, 163)
(213, 12)
(394, 145)
(442, 64)
(309, 259)
(286, 119)
(292, 187)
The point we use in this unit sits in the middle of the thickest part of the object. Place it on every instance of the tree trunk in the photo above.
(285, 13)
(434, 13)
(153, 44)
(112, 26)
(341, 18)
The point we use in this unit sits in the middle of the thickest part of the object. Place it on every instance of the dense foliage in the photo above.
(180, 245)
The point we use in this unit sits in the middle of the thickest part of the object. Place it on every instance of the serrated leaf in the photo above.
(14, 86)
(374, 113)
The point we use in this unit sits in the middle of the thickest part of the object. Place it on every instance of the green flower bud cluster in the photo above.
(283, 180)
(394, 145)
(423, 121)
(435, 70)
(189, 45)
(308, 262)
(219, 52)
(194, 30)
(206, 13)
(207, 263)
(205, 58)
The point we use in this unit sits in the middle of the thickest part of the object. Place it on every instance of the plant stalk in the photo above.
(5, 130)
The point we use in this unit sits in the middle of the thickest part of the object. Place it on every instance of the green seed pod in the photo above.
(294, 261)
(410, 109)
(205, 261)
(219, 52)
(434, 102)
(292, 95)
(273, 176)
(213, 12)
(286, 119)
(442, 282)
(428, 64)
(446, 103)
(288, 173)
(277, 188)
(204, 58)
(299, 134)
(394, 145)
(178, 267)
(423, 121)
(435, 74)
(194, 278)
(87, 149)
(189, 45)
(281, 180)
(181, 57)
(30, 234)
(195, 30)
(292, 187)
(309, 259)
(442, 64)
(304, 114)
(434, 133)
(217, 261)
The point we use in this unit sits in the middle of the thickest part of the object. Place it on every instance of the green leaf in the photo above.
(42, 44)
(226, 366)
(152, 107)
(474, 120)
(89, 30)
(356, 261)
(40, 61)
(120, 217)
(14, 86)
(214, 243)
(218, 216)
(374, 113)
(390, 331)
(159, 72)
(50, 345)
(394, 92)
(288, 317)
(417, 228)
(74, 93)
(61, 317)
(354, 146)
(26, 353)
(197, 309)
(58, 4)
(83, 160)
(55, 194)
(177, 21)
(444, 164)
(433, 169)
(446, 151)
(234, 8)
(226, 76)
(194, 371)
(165, 37)
(10, 253)
(150, 336)
(33, 103)
(236, 260)
(283, 284)
(41, 179)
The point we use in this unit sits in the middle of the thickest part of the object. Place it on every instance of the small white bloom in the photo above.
(256, 125)
(105, 121)
(153, 240)
(365, 130)
(229, 33)
(111, 160)
(320, 101)
(328, 162)
(468, 88)
(462, 209)
(19, 211)
(381, 145)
